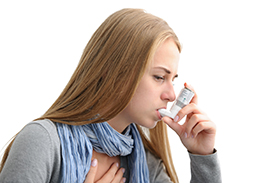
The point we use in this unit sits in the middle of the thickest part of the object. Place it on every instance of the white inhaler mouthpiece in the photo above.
(183, 99)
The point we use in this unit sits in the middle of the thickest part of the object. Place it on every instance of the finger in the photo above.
(123, 180)
(188, 110)
(92, 172)
(194, 121)
(119, 176)
(174, 126)
(206, 126)
(110, 174)
(195, 98)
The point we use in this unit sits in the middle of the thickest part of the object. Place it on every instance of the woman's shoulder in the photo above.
(43, 131)
(34, 154)
(45, 124)
(39, 131)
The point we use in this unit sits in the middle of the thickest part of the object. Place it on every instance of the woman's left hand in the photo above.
(198, 132)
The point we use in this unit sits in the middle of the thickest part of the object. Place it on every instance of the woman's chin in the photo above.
(150, 125)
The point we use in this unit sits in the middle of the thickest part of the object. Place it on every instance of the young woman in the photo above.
(94, 130)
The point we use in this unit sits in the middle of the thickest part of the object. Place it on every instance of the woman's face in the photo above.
(155, 89)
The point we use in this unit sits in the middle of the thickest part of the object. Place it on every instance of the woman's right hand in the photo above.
(113, 175)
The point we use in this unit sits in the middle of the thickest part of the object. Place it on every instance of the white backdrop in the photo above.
(228, 56)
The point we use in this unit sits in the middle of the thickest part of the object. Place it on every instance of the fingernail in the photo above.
(117, 164)
(124, 179)
(123, 170)
(94, 162)
(185, 134)
(176, 118)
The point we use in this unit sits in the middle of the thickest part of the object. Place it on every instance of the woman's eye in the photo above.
(159, 78)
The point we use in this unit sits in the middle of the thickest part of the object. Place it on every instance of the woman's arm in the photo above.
(34, 155)
(205, 168)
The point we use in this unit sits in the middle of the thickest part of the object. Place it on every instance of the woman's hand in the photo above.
(113, 175)
(198, 132)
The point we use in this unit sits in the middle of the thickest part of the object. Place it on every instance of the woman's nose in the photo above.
(169, 94)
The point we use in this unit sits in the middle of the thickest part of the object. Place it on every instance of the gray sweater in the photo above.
(35, 157)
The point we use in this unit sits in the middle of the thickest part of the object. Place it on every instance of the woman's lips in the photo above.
(159, 116)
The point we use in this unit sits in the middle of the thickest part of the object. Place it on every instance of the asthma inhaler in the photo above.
(183, 99)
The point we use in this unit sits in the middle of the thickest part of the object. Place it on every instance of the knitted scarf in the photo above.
(78, 143)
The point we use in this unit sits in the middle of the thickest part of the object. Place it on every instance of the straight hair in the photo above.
(109, 71)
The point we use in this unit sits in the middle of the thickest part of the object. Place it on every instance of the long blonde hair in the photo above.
(108, 74)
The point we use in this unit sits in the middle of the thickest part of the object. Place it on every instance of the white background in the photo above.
(228, 56)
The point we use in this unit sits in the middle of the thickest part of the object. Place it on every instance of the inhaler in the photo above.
(183, 99)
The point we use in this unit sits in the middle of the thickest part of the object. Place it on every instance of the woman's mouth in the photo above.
(158, 114)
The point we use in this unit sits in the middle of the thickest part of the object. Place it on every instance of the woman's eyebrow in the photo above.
(166, 70)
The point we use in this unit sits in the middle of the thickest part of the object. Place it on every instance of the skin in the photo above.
(154, 91)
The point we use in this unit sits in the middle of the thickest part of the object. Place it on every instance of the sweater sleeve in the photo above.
(34, 156)
(205, 169)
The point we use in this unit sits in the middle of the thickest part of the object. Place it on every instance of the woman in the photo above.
(92, 133)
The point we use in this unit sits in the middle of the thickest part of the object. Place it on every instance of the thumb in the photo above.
(92, 172)
(173, 125)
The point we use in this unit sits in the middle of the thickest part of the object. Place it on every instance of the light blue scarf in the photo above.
(78, 142)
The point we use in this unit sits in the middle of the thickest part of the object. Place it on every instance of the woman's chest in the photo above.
(104, 163)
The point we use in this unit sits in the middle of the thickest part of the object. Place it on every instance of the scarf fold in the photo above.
(78, 143)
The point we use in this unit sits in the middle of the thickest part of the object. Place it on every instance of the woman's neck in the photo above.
(118, 123)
